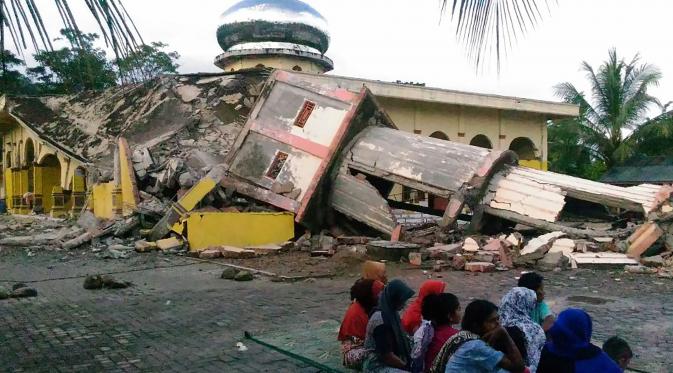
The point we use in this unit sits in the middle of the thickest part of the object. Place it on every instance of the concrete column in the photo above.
(38, 203)
(78, 194)
(16, 191)
(58, 203)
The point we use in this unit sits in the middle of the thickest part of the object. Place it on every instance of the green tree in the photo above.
(12, 79)
(147, 62)
(613, 120)
(73, 69)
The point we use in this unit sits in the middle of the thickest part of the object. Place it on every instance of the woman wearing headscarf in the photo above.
(471, 349)
(515, 312)
(388, 344)
(364, 297)
(569, 349)
(376, 271)
(412, 317)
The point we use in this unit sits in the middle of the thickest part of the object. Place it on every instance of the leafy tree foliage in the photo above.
(147, 62)
(12, 79)
(73, 69)
(612, 125)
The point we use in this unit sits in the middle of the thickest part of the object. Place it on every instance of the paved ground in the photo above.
(181, 317)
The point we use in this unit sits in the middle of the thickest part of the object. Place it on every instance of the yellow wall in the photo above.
(276, 62)
(206, 229)
(461, 123)
(17, 178)
(103, 206)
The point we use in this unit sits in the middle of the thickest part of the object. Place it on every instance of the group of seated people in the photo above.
(522, 335)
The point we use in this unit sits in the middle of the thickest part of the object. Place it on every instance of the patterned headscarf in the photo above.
(515, 310)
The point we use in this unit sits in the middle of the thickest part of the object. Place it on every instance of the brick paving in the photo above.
(185, 319)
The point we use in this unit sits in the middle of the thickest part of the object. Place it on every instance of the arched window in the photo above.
(524, 148)
(439, 135)
(260, 66)
(481, 141)
(296, 68)
(8, 160)
(30, 152)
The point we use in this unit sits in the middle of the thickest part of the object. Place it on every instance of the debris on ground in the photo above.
(94, 282)
(214, 183)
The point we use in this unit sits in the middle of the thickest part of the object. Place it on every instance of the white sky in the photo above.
(403, 39)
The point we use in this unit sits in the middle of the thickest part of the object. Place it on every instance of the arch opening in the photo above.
(439, 135)
(50, 168)
(524, 148)
(481, 141)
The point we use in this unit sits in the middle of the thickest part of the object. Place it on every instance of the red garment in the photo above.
(442, 334)
(377, 288)
(354, 323)
(411, 319)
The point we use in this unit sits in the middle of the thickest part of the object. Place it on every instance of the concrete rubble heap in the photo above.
(225, 166)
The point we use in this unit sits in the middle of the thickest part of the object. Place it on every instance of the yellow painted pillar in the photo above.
(57, 203)
(24, 208)
(9, 190)
(16, 191)
(78, 194)
(117, 201)
(38, 203)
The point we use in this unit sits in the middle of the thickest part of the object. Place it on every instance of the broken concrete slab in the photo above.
(266, 249)
(539, 246)
(458, 262)
(210, 254)
(553, 260)
(479, 267)
(643, 238)
(444, 251)
(493, 244)
(515, 239)
(171, 243)
(506, 257)
(602, 259)
(143, 246)
(565, 246)
(471, 245)
(652, 261)
(230, 252)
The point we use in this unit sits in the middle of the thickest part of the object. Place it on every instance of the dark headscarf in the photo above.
(570, 348)
(394, 296)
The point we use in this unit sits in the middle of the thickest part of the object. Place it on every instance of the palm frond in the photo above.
(491, 27)
(114, 23)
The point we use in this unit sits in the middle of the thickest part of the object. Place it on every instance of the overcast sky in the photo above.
(404, 40)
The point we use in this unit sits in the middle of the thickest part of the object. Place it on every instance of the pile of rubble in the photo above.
(290, 145)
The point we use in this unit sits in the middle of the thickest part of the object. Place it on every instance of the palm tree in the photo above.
(613, 122)
(22, 22)
(490, 27)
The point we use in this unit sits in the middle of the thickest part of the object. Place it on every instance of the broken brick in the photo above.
(470, 245)
(229, 252)
(458, 262)
(210, 254)
(479, 267)
(169, 244)
(643, 238)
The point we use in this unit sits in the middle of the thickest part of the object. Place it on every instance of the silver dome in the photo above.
(284, 21)
(278, 11)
